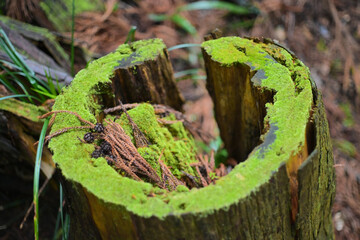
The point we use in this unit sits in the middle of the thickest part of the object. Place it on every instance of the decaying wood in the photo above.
(266, 212)
(149, 81)
(19, 129)
(21, 36)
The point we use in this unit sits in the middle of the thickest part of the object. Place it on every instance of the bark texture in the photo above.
(148, 81)
(316, 177)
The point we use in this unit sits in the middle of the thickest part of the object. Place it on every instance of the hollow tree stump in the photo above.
(271, 118)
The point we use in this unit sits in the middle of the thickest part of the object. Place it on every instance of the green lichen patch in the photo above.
(177, 147)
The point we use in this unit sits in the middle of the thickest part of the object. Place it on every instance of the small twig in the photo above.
(57, 133)
(212, 161)
(202, 179)
(70, 112)
(163, 109)
(191, 178)
(123, 148)
(139, 137)
(167, 174)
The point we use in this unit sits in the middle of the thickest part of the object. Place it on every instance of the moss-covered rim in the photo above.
(97, 177)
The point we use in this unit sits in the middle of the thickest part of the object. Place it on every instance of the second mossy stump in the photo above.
(271, 118)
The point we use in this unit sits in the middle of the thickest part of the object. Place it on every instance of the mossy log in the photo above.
(272, 120)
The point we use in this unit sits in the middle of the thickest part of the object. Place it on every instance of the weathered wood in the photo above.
(150, 80)
(19, 32)
(24, 36)
(270, 194)
(316, 177)
(20, 130)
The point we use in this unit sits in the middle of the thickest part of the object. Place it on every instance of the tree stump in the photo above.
(271, 118)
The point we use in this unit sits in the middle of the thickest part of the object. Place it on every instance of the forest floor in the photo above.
(324, 34)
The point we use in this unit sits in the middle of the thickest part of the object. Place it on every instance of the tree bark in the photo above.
(277, 191)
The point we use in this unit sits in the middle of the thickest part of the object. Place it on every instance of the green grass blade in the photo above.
(131, 35)
(61, 208)
(52, 88)
(45, 93)
(64, 224)
(19, 96)
(7, 84)
(158, 17)
(183, 23)
(213, 5)
(56, 231)
(185, 45)
(18, 60)
(19, 83)
(186, 72)
(13, 54)
(66, 227)
(72, 54)
(37, 177)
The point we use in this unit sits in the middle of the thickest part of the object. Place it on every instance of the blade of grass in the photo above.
(19, 83)
(50, 83)
(64, 224)
(213, 5)
(7, 84)
(158, 17)
(37, 177)
(18, 60)
(186, 72)
(185, 45)
(66, 227)
(183, 23)
(72, 54)
(15, 57)
(56, 231)
(61, 209)
(19, 96)
(45, 93)
(131, 35)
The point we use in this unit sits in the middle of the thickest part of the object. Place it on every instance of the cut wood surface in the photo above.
(272, 121)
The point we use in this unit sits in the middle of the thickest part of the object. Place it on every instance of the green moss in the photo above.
(290, 108)
(138, 52)
(177, 146)
(23, 109)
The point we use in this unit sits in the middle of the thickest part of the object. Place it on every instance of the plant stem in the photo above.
(37, 177)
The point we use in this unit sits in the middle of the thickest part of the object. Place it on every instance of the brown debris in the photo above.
(164, 110)
(122, 154)
(139, 137)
